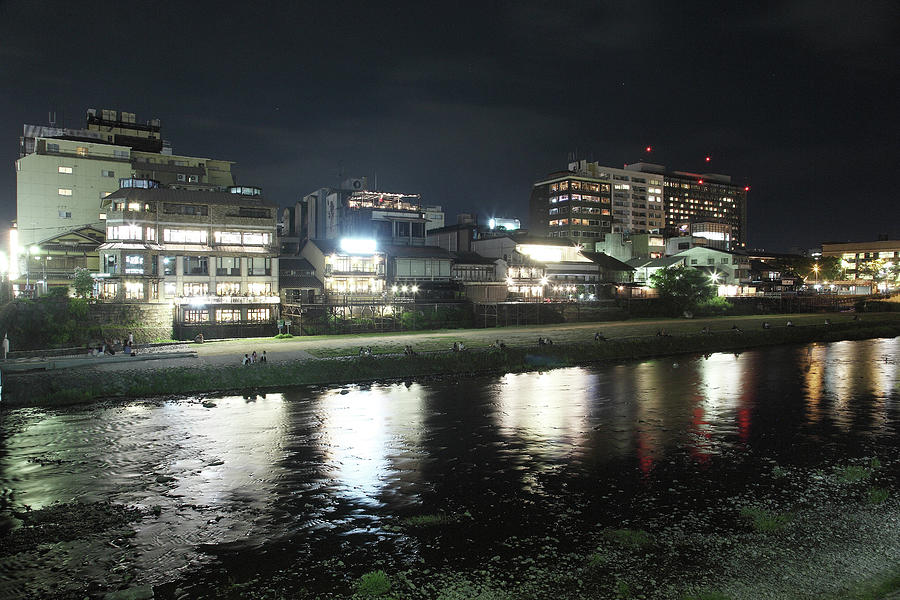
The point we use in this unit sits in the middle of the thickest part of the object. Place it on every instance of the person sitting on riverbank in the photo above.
(199, 338)
(458, 346)
(599, 337)
(263, 358)
(789, 323)
(827, 322)
(253, 357)
(365, 351)
(127, 349)
(736, 329)
(766, 325)
(408, 351)
(545, 341)
(705, 331)
(246, 360)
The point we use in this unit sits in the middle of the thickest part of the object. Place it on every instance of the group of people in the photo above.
(458, 347)
(253, 358)
(498, 345)
(599, 337)
(408, 350)
(542, 341)
(663, 333)
(108, 348)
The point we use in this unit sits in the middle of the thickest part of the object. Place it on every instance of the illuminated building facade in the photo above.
(349, 269)
(213, 255)
(352, 211)
(571, 206)
(637, 201)
(62, 174)
(51, 262)
(877, 261)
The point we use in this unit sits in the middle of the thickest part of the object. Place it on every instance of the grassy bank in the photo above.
(70, 387)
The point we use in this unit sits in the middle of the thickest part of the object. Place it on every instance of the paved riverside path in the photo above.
(230, 352)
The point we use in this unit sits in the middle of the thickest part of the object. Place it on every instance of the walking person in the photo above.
(5, 346)
(130, 340)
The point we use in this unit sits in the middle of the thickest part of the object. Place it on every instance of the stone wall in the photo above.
(148, 322)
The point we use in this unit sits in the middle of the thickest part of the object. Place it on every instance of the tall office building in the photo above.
(570, 205)
(701, 198)
(63, 174)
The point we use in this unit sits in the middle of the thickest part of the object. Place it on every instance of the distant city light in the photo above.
(708, 159)
(746, 188)
(700, 182)
(648, 149)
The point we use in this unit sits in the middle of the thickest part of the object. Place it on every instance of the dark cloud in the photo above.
(469, 104)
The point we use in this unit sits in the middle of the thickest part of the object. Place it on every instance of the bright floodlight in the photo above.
(544, 281)
(714, 276)
(358, 246)
(415, 289)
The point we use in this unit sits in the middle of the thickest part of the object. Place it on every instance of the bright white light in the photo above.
(415, 289)
(358, 246)
(492, 223)
(197, 301)
(394, 288)
(403, 289)
(544, 281)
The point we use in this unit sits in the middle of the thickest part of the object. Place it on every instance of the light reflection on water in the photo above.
(309, 462)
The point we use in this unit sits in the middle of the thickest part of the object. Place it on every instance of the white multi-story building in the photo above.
(637, 198)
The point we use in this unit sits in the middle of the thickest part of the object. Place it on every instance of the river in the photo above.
(248, 485)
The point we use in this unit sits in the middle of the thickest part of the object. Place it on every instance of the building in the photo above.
(63, 174)
(637, 202)
(644, 268)
(212, 255)
(434, 216)
(352, 211)
(875, 262)
(571, 206)
(483, 278)
(723, 267)
(455, 238)
(52, 261)
(351, 269)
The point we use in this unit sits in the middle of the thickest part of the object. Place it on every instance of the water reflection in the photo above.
(310, 465)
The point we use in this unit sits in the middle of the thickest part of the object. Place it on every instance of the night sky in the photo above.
(469, 104)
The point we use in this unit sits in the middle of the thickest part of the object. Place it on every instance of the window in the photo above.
(563, 185)
(227, 237)
(82, 151)
(192, 315)
(134, 206)
(554, 187)
(258, 315)
(123, 232)
(185, 209)
(169, 265)
(110, 264)
(256, 239)
(109, 289)
(402, 229)
(228, 288)
(105, 173)
(134, 290)
(120, 153)
(710, 261)
(258, 265)
(134, 264)
(65, 170)
(228, 315)
(65, 214)
(693, 261)
(187, 236)
(196, 265)
(228, 265)
(196, 289)
(180, 177)
(259, 289)
(64, 191)
(255, 213)
(52, 147)
(725, 261)
(169, 289)
(193, 179)
(151, 234)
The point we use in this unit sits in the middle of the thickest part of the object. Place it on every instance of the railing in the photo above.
(227, 300)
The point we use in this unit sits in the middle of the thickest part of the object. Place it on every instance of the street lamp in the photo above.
(816, 271)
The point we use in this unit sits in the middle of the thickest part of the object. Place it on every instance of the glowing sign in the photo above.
(356, 246)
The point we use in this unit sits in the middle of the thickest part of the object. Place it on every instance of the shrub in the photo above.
(633, 539)
(878, 495)
(764, 521)
(374, 583)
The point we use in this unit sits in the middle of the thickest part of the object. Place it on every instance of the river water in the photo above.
(244, 485)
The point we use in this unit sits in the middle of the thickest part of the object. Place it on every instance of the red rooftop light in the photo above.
(648, 149)
(747, 188)
(708, 159)
(700, 182)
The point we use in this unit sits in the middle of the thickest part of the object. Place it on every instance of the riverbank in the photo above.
(74, 386)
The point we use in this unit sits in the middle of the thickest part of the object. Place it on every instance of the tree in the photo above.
(681, 287)
(84, 283)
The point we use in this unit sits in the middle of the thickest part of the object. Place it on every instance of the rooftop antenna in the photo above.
(375, 188)
(51, 118)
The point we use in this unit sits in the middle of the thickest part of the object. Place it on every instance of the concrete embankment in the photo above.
(70, 386)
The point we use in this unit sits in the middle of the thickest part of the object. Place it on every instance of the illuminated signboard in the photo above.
(357, 246)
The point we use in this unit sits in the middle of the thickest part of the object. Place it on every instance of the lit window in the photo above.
(134, 264)
(227, 237)
(228, 288)
(134, 206)
(187, 236)
(169, 289)
(65, 170)
(256, 239)
(196, 289)
(64, 191)
(192, 315)
(151, 234)
(228, 315)
(259, 289)
(65, 214)
(134, 290)
(258, 315)
(82, 151)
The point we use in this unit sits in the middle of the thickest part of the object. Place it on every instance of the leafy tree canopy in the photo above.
(682, 287)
